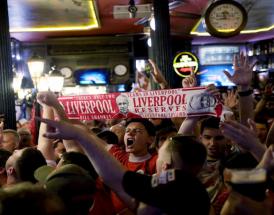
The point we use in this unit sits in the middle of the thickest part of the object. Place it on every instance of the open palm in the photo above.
(243, 71)
(157, 75)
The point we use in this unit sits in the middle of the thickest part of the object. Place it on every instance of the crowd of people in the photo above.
(198, 165)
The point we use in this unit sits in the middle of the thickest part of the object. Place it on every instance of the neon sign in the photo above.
(184, 63)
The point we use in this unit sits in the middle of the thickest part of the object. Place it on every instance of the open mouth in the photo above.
(129, 142)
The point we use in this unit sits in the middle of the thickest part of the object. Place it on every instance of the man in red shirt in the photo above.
(139, 135)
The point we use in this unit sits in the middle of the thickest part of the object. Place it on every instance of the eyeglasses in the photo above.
(134, 130)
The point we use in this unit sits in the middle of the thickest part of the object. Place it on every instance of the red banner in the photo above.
(147, 104)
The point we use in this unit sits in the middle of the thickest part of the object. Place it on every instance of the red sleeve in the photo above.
(152, 164)
(102, 201)
(120, 154)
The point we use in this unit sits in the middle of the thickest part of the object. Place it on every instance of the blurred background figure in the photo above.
(10, 140)
(161, 123)
(4, 156)
(25, 138)
(72, 184)
(109, 137)
(162, 135)
(59, 149)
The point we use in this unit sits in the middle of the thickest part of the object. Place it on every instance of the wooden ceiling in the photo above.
(27, 13)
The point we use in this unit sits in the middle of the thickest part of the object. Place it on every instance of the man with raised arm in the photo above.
(220, 152)
(139, 135)
(157, 190)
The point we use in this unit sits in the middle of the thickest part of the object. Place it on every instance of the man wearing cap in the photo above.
(72, 184)
(155, 190)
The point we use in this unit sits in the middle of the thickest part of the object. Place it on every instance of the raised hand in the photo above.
(189, 81)
(242, 71)
(142, 80)
(47, 98)
(245, 137)
(157, 75)
(240, 134)
(230, 99)
(212, 90)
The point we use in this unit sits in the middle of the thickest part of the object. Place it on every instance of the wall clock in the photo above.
(66, 72)
(225, 18)
(120, 70)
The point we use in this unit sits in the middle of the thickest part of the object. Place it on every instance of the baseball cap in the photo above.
(173, 191)
(70, 182)
(146, 123)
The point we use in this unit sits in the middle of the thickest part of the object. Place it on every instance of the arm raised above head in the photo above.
(49, 100)
(242, 78)
(189, 124)
(243, 136)
(106, 165)
(45, 145)
(158, 76)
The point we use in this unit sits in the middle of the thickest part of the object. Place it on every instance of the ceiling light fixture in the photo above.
(149, 42)
(152, 23)
(93, 23)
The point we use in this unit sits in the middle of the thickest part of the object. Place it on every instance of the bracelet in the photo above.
(245, 93)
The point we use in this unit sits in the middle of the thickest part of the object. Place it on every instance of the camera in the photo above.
(132, 9)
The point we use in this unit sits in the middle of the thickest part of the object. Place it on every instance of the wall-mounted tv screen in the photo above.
(217, 54)
(213, 74)
(92, 76)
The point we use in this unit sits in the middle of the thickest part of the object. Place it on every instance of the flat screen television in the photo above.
(217, 54)
(92, 76)
(213, 74)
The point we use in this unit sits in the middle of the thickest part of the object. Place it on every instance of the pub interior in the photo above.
(91, 50)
